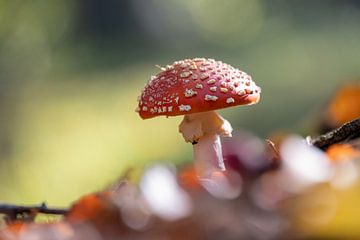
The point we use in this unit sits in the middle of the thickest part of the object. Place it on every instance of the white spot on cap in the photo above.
(185, 108)
(185, 74)
(199, 86)
(223, 90)
(184, 65)
(241, 92)
(169, 67)
(210, 98)
(194, 76)
(213, 89)
(230, 100)
(170, 109)
(203, 76)
(193, 67)
(144, 108)
(211, 81)
(189, 92)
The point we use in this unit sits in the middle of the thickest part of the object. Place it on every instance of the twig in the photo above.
(273, 154)
(346, 132)
(14, 212)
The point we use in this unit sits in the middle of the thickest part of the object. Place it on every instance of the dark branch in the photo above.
(346, 132)
(14, 212)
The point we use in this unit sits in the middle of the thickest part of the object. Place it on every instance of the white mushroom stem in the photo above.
(208, 156)
(204, 131)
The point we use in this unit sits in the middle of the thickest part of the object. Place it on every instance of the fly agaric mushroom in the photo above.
(196, 88)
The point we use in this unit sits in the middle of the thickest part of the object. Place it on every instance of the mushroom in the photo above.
(196, 88)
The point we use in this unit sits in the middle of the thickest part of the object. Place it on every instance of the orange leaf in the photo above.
(345, 105)
(342, 152)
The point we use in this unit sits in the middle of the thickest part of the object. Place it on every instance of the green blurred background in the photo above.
(70, 73)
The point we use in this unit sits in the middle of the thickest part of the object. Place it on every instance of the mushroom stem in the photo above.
(205, 130)
(208, 156)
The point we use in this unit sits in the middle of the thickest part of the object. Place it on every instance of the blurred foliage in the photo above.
(307, 196)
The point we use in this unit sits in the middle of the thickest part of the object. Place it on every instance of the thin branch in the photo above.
(15, 211)
(273, 155)
(346, 132)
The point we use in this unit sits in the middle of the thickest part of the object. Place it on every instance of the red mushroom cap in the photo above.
(196, 85)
